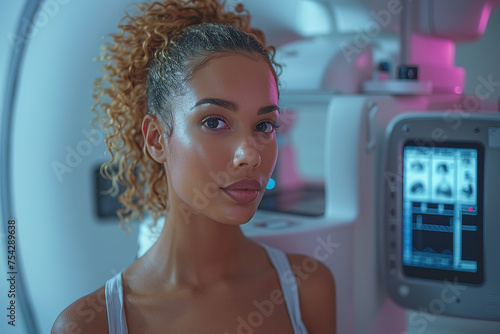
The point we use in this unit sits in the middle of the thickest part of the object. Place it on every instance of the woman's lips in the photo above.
(242, 196)
(243, 191)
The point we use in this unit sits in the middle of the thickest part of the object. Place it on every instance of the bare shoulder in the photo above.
(86, 315)
(316, 293)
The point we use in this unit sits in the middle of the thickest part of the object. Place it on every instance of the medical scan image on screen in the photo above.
(442, 224)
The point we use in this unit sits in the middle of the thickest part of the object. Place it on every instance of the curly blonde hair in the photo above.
(148, 63)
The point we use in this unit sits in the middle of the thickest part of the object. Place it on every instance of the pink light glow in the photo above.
(362, 61)
(458, 90)
(471, 209)
(485, 15)
(432, 50)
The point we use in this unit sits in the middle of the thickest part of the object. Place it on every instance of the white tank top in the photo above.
(117, 323)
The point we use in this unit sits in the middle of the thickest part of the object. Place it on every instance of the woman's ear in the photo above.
(152, 130)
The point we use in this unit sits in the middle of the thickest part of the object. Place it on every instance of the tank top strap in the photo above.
(288, 286)
(113, 291)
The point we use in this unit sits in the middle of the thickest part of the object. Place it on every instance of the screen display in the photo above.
(442, 211)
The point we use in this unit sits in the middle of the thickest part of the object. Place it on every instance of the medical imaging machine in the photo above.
(410, 217)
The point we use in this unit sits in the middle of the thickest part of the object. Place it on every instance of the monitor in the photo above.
(440, 214)
(442, 211)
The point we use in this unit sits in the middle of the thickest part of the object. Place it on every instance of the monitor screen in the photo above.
(442, 211)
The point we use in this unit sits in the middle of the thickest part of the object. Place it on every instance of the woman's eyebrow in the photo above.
(232, 106)
(268, 109)
(218, 102)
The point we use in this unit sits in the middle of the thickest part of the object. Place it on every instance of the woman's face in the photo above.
(223, 147)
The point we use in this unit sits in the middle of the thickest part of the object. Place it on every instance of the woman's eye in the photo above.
(214, 123)
(266, 127)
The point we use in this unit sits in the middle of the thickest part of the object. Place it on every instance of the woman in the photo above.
(191, 122)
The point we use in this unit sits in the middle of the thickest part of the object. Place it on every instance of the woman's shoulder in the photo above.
(86, 315)
(317, 296)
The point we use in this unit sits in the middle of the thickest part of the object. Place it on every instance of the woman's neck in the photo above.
(199, 252)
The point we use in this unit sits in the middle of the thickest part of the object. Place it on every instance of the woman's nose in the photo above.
(247, 154)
